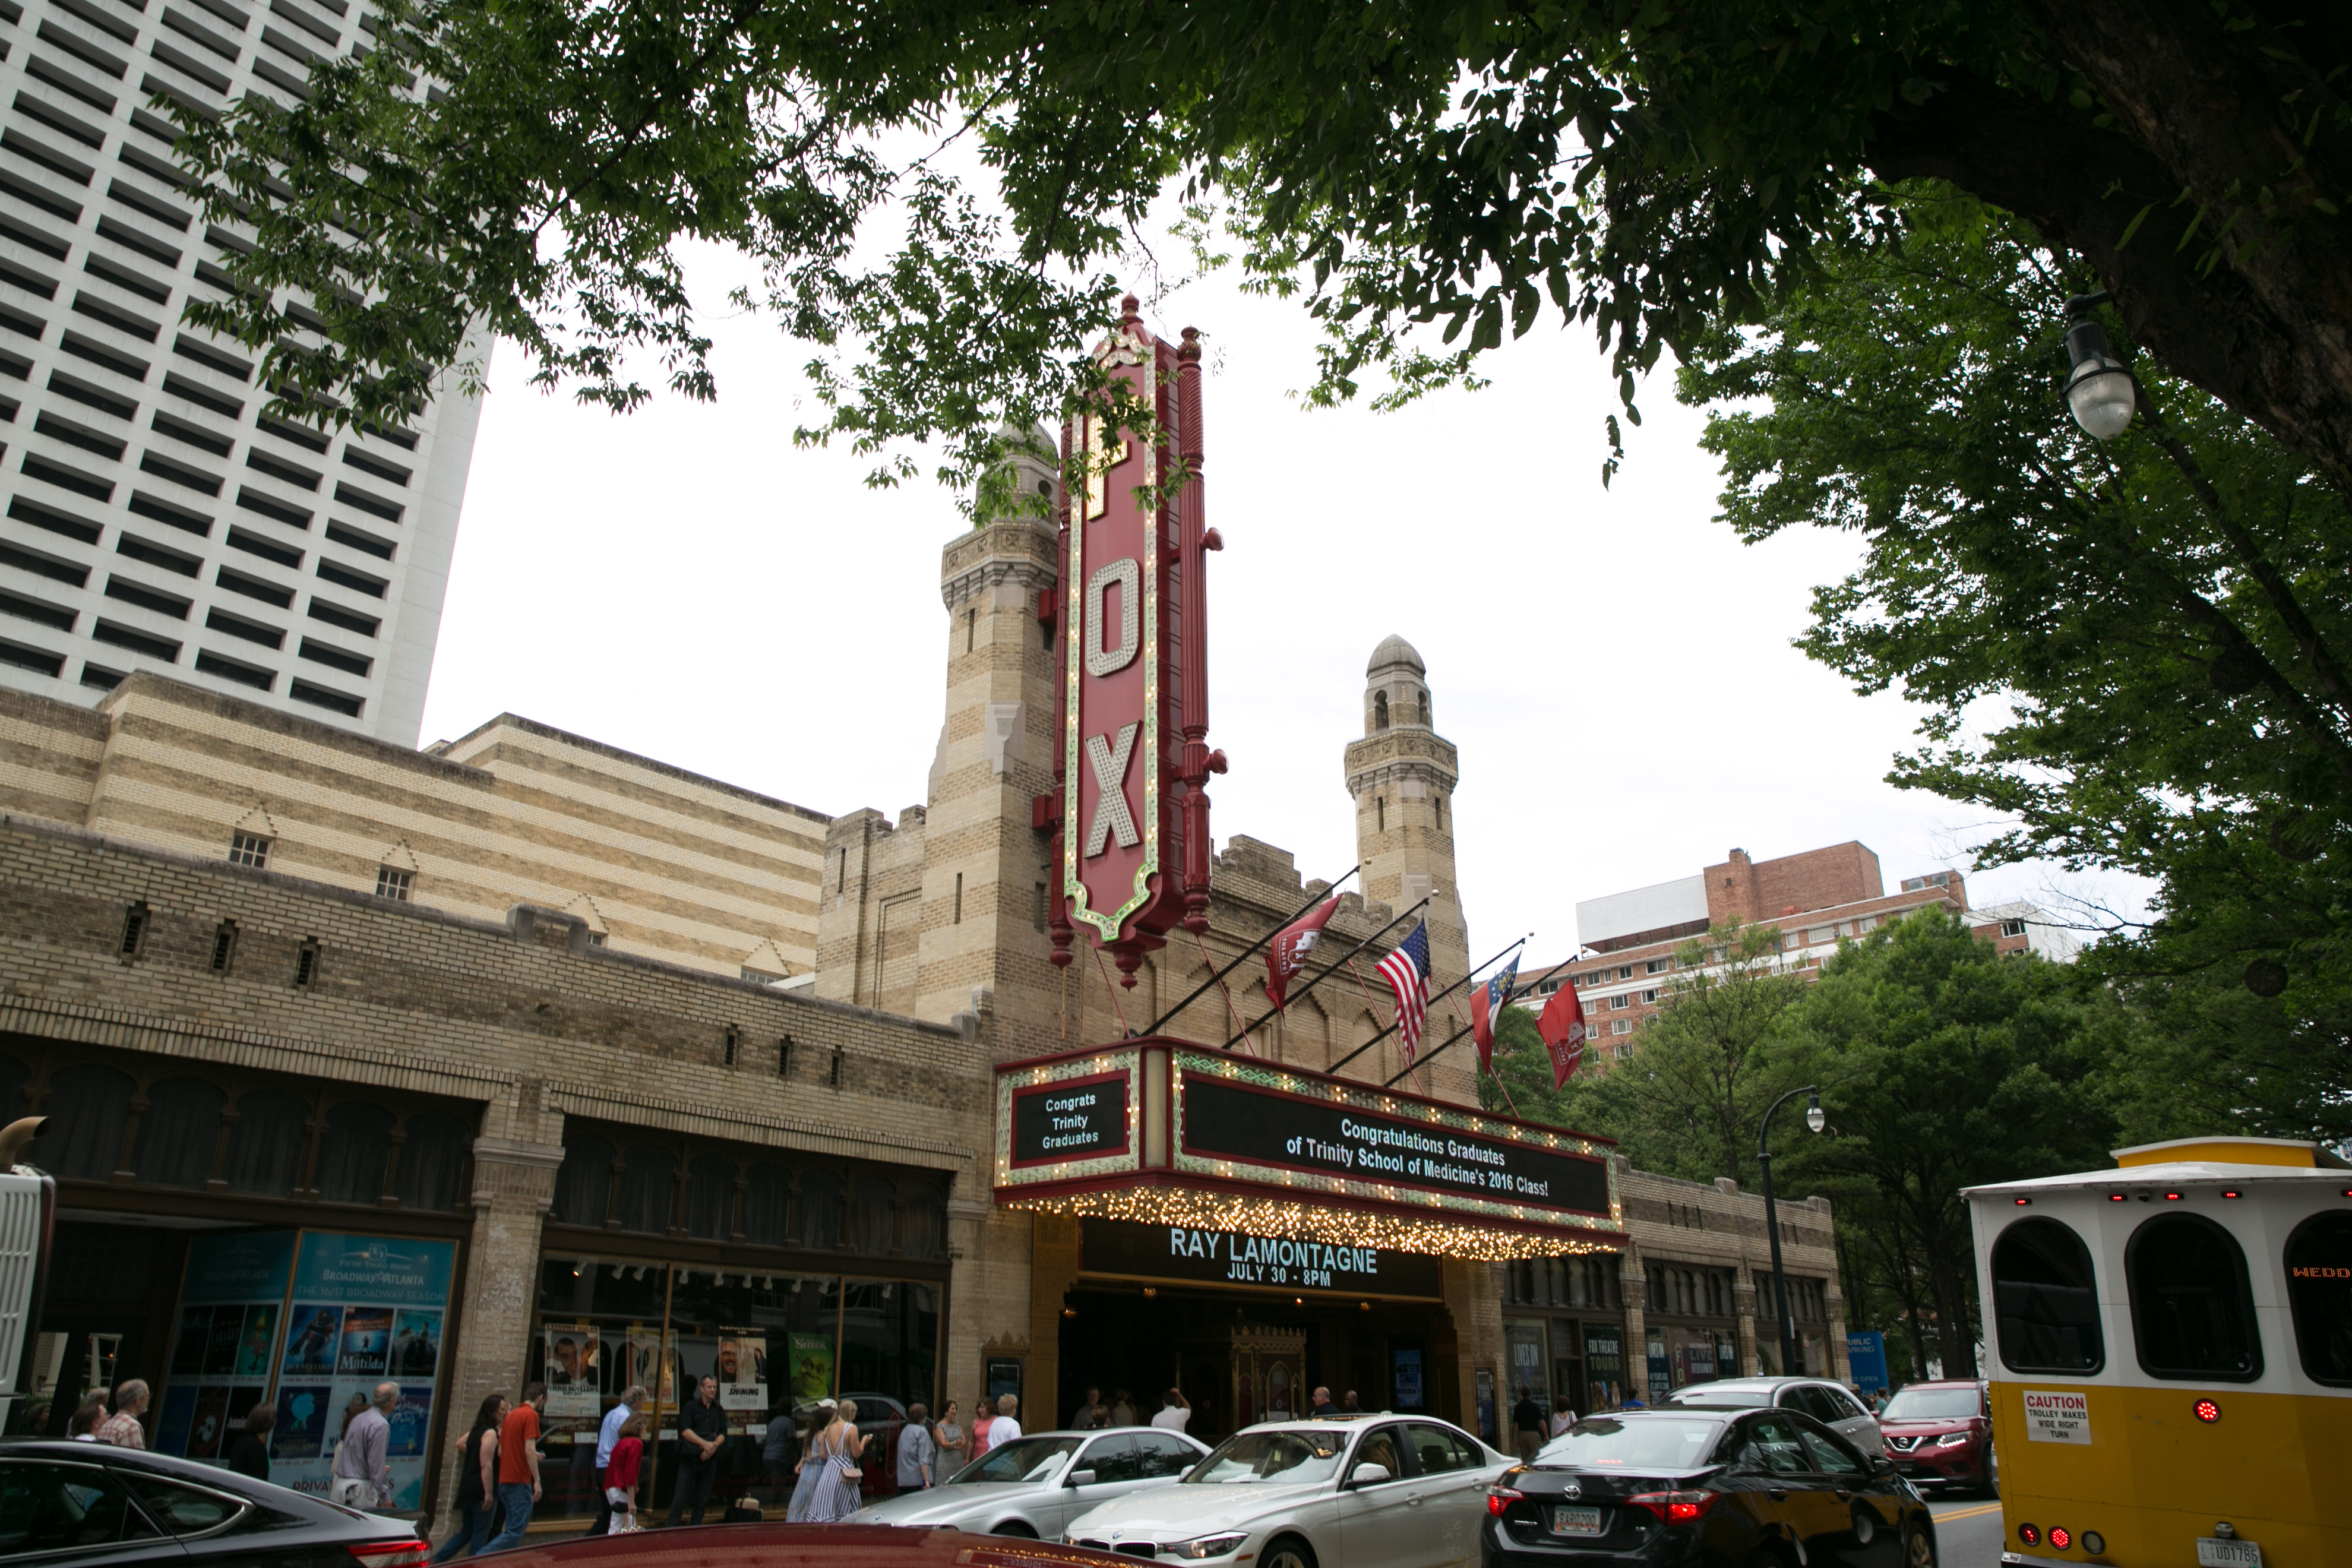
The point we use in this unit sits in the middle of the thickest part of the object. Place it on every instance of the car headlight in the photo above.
(1951, 1439)
(1208, 1545)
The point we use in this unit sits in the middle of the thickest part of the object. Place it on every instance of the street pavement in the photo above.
(1967, 1531)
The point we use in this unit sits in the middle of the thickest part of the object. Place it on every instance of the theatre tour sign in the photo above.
(1134, 761)
(1236, 1163)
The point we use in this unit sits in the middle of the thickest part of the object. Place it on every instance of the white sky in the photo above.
(1614, 667)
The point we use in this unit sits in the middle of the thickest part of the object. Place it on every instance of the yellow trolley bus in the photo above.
(2170, 1358)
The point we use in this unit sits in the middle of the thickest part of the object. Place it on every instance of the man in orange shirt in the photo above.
(519, 1467)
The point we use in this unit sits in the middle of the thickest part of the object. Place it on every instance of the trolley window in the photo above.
(2319, 1291)
(2046, 1299)
(2192, 1310)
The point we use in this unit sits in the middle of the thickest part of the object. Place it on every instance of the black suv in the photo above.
(92, 1502)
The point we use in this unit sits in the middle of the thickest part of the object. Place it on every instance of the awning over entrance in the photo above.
(1160, 1133)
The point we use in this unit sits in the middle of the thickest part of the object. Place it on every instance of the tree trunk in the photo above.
(2209, 123)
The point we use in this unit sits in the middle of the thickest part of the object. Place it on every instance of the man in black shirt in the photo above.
(1527, 1424)
(701, 1433)
(1323, 1405)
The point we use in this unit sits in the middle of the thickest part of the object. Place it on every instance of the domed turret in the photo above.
(1395, 650)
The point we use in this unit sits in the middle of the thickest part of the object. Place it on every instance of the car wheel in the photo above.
(1014, 1527)
(1768, 1556)
(1918, 1548)
(1288, 1552)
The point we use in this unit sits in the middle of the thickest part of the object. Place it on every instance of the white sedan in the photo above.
(1375, 1492)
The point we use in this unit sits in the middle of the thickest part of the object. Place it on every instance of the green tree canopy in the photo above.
(531, 166)
(2135, 650)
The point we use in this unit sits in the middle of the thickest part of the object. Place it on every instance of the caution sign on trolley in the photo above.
(2057, 1417)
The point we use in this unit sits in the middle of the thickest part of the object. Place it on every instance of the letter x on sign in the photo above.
(1109, 765)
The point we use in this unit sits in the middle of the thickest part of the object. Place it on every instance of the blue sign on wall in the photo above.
(1865, 1354)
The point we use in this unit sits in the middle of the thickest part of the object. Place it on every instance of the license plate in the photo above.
(1587, 1521)
(2213, 1552)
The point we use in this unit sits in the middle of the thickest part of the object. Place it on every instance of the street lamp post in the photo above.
(1814, 1120)
(2101, 392)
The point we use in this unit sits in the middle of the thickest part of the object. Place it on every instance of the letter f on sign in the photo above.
(1110, 786)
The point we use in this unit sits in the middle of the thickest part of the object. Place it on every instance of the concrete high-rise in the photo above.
(156, 516)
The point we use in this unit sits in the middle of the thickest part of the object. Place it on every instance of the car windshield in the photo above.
(1603, 1442)
(1022, 1459)
(1272, 1459)
(1933, 1404)
(1723, 1396)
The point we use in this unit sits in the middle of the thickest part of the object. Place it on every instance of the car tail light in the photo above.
(1500, 1498)
(2061, 1538)
(391, 1554)
(2029, 1535)
(2207, 1412)
(1675, 1507)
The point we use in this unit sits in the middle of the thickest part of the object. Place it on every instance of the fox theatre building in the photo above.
(1243, 1232)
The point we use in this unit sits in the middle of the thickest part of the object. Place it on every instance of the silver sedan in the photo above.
(1035, 1486)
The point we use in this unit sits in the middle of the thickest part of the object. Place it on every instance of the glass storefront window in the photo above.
(1523, 1342)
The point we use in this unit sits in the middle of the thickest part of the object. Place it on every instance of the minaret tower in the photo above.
(1403, 774)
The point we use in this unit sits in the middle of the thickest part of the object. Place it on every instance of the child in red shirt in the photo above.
(621, 1475)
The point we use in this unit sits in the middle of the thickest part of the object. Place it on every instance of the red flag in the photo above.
(1561, 1024)
(1286, 954)
(1486, 1004)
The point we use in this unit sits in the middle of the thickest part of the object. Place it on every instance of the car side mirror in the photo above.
(1367, 1474)
(1882, 1465)
(1080, 1478)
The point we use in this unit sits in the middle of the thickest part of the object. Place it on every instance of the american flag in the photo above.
(1406, 969)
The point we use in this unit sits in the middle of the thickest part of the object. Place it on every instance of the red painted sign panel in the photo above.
(1134, 758)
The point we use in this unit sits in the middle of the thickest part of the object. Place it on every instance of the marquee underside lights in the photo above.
(1433, 1235)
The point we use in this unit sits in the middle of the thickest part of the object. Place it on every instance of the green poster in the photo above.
(811, 1367)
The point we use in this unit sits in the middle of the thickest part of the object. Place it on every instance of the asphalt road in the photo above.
(1967, 1531)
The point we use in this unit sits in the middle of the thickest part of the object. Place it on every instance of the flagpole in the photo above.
(1515, 990)
(1434, 1000)
(1290, 996)
(1202, 990)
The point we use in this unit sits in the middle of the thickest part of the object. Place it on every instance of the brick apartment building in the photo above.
(1630, 941)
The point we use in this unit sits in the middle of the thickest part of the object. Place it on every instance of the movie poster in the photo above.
(367, 1336)
(741, 1368)
(417, 1345)
(570, 1357)
(311, 1341)
(223, 1340)
(812, 1368)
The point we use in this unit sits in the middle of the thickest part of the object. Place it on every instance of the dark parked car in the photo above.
(1940, 1435)
(1708, 1488)
(88, 1502)
(800, 1545)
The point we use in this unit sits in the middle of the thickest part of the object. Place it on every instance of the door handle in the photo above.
(1413, 1502)
(1777, 1494)
(1842, 1494)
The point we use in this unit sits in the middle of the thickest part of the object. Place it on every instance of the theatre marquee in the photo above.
(1160, 1132)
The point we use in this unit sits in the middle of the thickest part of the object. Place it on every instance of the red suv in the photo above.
(1940, 1435)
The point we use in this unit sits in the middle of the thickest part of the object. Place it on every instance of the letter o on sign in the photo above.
(1128, 576)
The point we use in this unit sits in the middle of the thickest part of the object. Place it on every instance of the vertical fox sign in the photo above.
(1134, 759)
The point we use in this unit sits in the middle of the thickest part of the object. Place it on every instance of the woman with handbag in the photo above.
(849, 1462)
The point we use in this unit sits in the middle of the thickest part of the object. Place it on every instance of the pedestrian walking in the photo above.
(851, 1463)
(809, 1468)
(608, 1434)
(519, 1485)
(955, 1448)
(779, 1451)
(1175, 1410)
(477, 1480)
(249, 1455)
(1323, 1405)
(1527, 1424)
(621, 1473)
(123, 1428)
(917, 1453)
(361, 1475)
(701, 1433)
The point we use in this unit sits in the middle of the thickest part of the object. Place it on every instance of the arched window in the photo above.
(432, 1163)
(645, 1183)
(1380, 709)
(1425, 711)
(870, 1216)
(2192, 1308)
(351, 1154)
(179, 1133)
(709, 1198)
(265, 1148)
(2319, 1294)
(2045, 1300)
(767, 1204)
(816, 1216)
(584, 1185)
(88, 1107)
(923, 1222)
